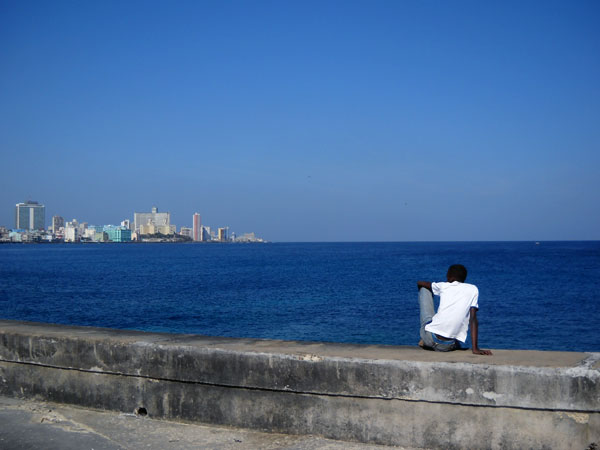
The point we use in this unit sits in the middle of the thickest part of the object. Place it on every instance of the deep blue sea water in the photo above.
(531, 296)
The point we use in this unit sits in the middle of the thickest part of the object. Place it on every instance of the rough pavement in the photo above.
(26, 424)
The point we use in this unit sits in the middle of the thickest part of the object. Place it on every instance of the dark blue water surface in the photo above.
(531, 296)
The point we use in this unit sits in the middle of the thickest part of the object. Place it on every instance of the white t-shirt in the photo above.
(452, 317)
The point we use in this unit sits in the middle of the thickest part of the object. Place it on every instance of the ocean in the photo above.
(532, 295)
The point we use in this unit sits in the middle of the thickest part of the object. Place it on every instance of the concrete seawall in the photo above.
(376, 394)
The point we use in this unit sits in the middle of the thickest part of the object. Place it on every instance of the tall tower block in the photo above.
(197, 227)
(30, 216)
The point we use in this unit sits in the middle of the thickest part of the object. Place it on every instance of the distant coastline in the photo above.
(143, 241)
(154, 226)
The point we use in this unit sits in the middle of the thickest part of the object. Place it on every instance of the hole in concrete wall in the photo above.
(141, 411)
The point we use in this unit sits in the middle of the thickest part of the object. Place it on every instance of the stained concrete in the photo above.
(375, 394)
(35, 425)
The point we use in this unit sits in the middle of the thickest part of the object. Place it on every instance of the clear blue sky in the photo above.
(307, 120)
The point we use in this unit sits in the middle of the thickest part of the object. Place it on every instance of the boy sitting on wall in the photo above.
(443, 330)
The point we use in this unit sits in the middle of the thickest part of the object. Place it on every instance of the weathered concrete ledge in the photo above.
(375, 394)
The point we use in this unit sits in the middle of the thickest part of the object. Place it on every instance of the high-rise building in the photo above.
(152, 218)
(82, 228)
(222, 234)
(205, 234)
(197, 228)
(72, 231)
(30, 216)
(57, 223)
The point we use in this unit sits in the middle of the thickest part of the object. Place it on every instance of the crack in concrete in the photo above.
(289, 390)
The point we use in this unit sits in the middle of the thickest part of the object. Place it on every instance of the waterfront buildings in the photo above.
(72, 231)
(205, 234)
(118, 233)
(146, 227)
(150, 228)
(92, 233)
(4, 235)
(57, 223)
(247, 237)
(30, 216)
(100, 236)
(187, 232)
(152, 218)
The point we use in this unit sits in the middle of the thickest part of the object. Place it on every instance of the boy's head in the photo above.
(457, 272)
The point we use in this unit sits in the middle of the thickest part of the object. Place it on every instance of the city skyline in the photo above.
(308, 121)
(24, 212)
(152, 226)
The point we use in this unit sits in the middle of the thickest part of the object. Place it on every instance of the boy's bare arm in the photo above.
(474, 333)
(425, 284)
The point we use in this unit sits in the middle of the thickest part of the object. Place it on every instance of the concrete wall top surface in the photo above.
(307, 349)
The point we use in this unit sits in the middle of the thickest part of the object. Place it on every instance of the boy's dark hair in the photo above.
(458, 271)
